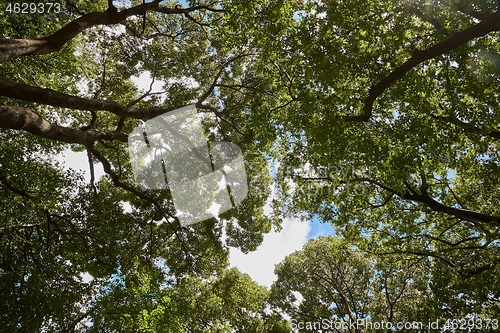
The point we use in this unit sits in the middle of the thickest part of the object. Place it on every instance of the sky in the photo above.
(276, 246)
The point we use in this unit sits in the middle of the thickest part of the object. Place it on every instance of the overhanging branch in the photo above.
(489, 24)
(54, 98)
(13, 48)
(425, 199)
(20, 118)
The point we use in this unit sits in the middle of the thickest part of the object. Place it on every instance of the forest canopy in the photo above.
(380, 118)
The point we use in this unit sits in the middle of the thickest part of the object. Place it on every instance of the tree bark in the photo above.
(19, 118)
(14, 48)
(436, 206)
(54, 98)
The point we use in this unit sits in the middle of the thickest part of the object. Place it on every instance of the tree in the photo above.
(383, 116)
(338, 288)
(224, 303)
(391, 131)
(66, 83)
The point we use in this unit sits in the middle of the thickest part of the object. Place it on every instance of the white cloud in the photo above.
(79, 161)
(143, 82)
(276, 246)
(86, 277)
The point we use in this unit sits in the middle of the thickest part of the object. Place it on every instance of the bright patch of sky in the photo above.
(319, 228)
(276, 246)
(79, 161)
(143, 82)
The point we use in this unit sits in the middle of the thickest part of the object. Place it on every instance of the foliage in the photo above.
(383, 116)
(391, 133)
(331, 279)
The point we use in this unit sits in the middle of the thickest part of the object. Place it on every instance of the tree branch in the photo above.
(23, 226)
(178, 10)
(92, 172)
(425, 199)
(472, 13)
(13, 48)
(54, 98)
(467, 127)
(217, 77)
(19, 118)
(18, 191)
(74, 7)
(490, 23)
(463, 214)
(118, 183)
(435, 23)
(70, 327)
(480, 269)
(436, 206)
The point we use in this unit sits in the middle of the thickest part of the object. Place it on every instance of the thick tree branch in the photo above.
(51, 97)
(490, 23)
(20, 118)
(462, 272)
(429, 202)
(463, 214)
(13, 48)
